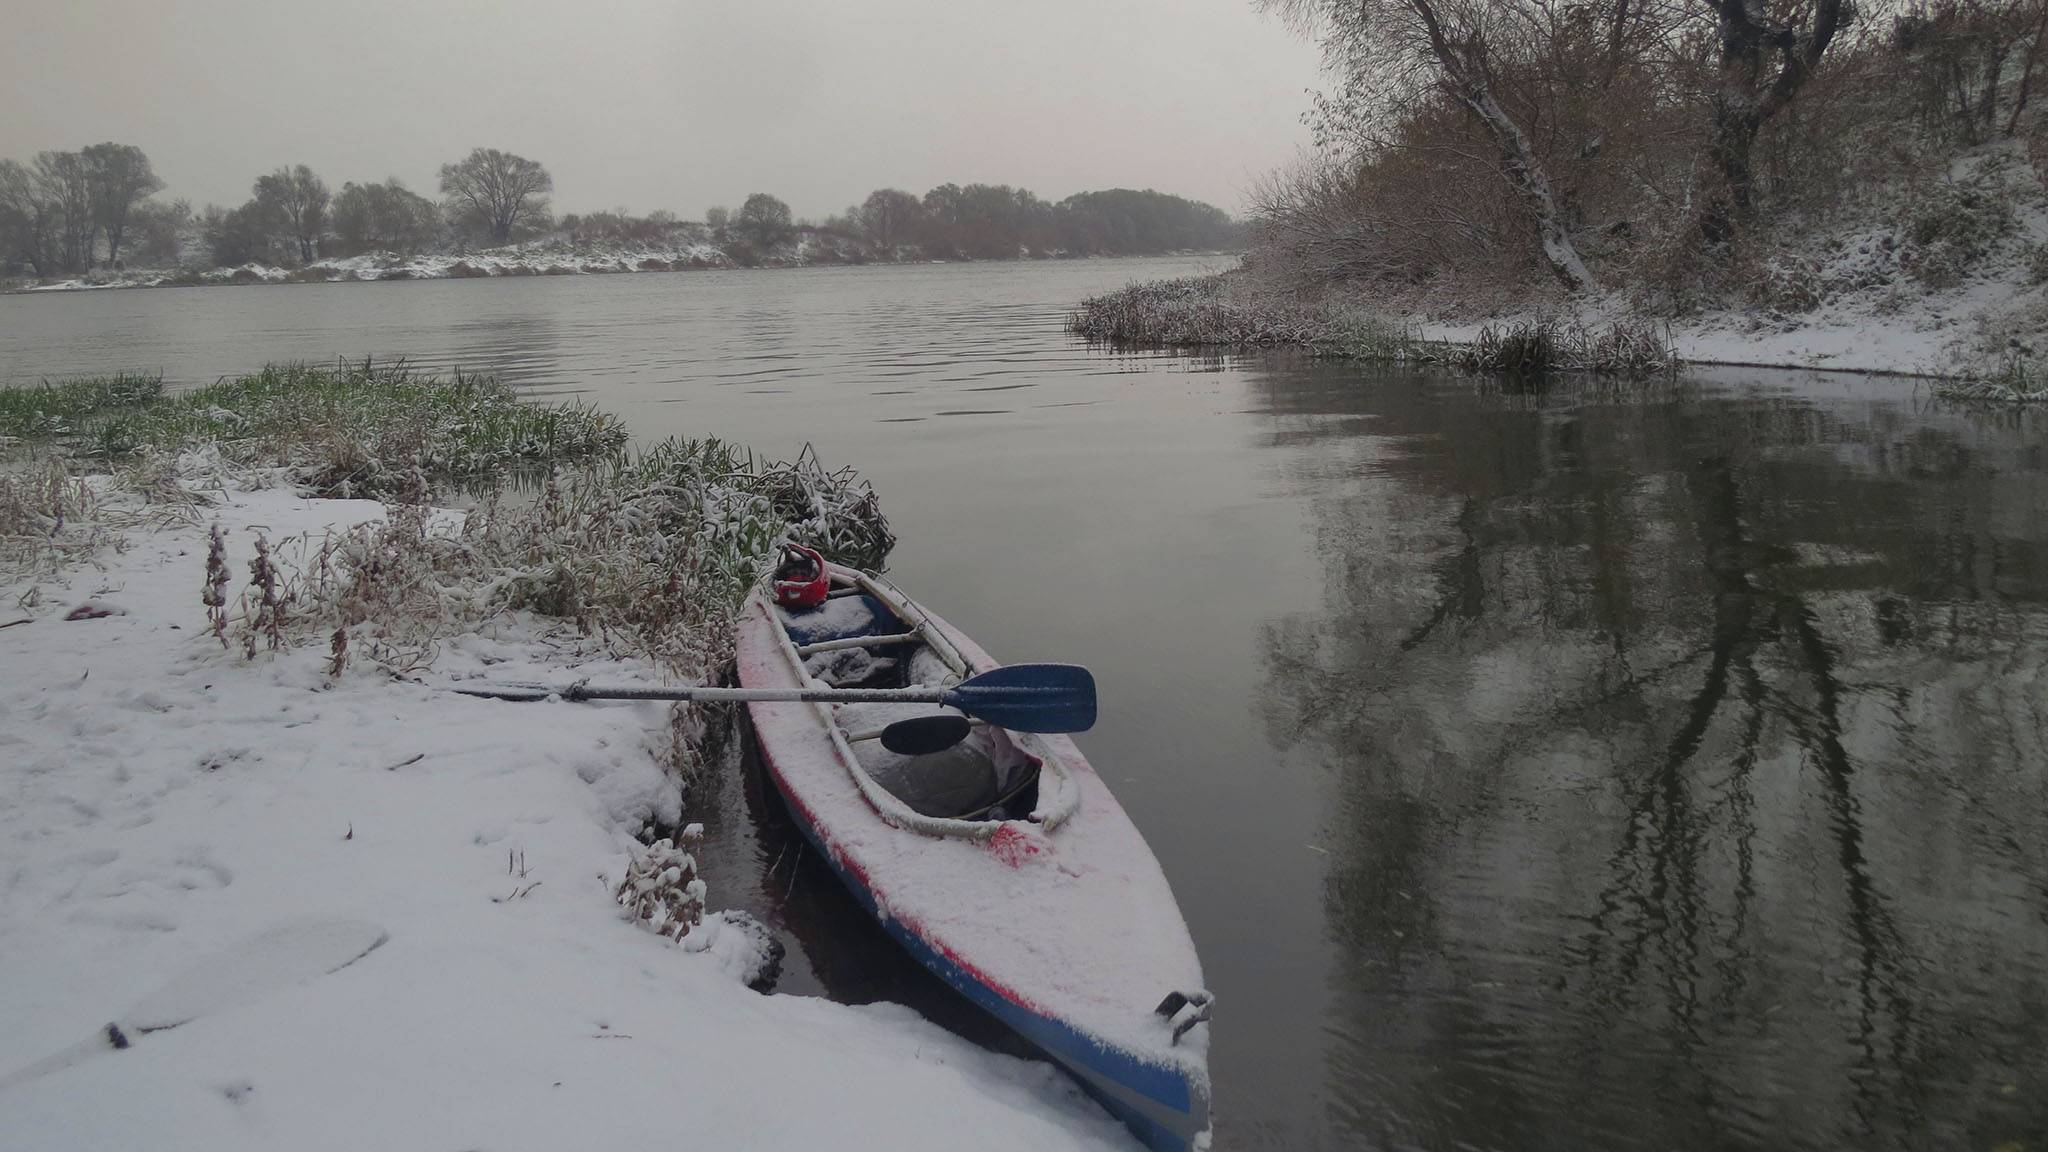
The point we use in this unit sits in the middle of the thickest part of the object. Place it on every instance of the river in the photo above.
(1592, 768)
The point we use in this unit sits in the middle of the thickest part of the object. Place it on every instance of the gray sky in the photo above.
(675, 105)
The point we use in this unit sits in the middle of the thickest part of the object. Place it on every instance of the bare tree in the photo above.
(66, 188)
(156, 230)
(497, 190)
(245, 235)
(763, 220)
(889, 217)
(1764, 61)
(29, 219)
(121, 178)
(297, 198)
(1396, 51)
(387, 216)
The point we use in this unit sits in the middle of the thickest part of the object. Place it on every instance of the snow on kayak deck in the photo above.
(163, 803)
(1078, 923)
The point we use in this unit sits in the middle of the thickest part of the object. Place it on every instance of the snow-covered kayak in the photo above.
(1003, 863)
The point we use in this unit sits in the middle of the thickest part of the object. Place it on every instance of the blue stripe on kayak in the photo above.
(1087, 1057)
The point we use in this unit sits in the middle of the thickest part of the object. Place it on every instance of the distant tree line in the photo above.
(488, 197)
(70, 212)
(986, 222)
(996, 221)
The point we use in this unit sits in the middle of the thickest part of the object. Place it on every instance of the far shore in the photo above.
(517, 261)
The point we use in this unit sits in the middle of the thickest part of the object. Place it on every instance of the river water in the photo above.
(1579, 769)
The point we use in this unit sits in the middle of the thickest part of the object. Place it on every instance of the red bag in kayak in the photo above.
(800, 581)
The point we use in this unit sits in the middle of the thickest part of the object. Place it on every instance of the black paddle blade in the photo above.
(1030, 697)
(924, 735)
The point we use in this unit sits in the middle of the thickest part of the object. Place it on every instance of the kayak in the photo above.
(1002, 863)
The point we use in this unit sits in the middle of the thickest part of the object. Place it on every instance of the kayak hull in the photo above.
(1162, 1118)
(1103, 1030)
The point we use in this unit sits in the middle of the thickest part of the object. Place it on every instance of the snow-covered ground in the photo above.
(1845, 338)
(188, 832)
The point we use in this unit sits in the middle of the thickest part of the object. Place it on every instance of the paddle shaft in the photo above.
(1019, 697)
(577, 692)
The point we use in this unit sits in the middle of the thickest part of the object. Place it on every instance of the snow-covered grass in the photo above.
(190, 818)
(360, 427)
(58, 409)
(1237, 310)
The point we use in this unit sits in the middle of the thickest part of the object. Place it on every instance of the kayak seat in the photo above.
(984, 777)
(886, 666)
(838, 619)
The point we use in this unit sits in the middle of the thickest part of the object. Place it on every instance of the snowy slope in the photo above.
(162, 800)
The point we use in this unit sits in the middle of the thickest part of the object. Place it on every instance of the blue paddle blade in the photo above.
(1030, 697)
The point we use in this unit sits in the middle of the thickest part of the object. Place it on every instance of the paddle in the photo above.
(285, 955)
(1019, 697)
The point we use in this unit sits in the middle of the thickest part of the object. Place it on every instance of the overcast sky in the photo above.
(679, 104)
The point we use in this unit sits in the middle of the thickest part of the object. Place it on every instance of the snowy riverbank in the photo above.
(1945, 279)
(1984, 331)
(168, 799)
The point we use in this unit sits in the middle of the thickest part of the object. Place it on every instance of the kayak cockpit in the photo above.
(847, 629)
(856, 640)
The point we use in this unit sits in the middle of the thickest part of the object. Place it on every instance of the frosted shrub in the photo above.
(652, 556)
(1952, 229)
(263, 606)
(661, 891)
(2037, 264)
(1790, 285)
(399, 585)
(47, 517)
(214, 592)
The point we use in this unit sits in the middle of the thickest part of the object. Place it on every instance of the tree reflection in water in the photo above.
(1689, 765)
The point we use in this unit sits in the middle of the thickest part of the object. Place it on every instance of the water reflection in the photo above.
(1687, 764)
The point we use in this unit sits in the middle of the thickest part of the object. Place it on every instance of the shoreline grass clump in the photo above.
(361, 429)
(1620, 348)
(2010, 379)
(1195, 311)
(1228, 310)
(49, 410)
(1994, 391)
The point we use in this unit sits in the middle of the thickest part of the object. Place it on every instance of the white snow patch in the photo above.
(163, 802)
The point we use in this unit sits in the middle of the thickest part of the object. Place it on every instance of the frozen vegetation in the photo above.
(1947, 281)
(1832, 185)
(326, 903)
